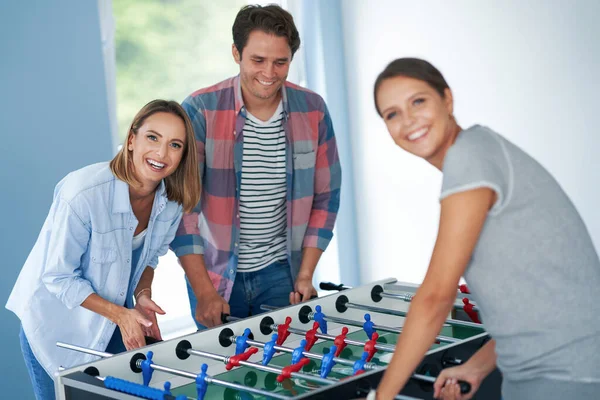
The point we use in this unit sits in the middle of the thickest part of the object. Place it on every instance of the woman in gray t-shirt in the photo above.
(509, 228)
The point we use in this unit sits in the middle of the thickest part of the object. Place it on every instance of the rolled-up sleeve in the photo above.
(62, 274)
(328, 180)
(187, 237)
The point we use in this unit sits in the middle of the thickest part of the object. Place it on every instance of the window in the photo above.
(168, 49)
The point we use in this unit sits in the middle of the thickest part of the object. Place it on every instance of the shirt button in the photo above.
(231, 271)
(128, 260)
(122, 294)
(237, 216)
(234, 132)
(131, 228)
(235, 244)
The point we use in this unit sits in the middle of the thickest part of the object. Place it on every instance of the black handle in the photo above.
(465, 387)
(332, 286)
(151, 340)
(224, 318)
(426, 379)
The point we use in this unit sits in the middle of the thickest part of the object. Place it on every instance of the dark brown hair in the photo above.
(411, 68)
(269, 19)
(183, 186)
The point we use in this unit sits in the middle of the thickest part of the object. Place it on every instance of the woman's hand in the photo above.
(131, 323)
(148, 308)
(446, 386)
(474, 371)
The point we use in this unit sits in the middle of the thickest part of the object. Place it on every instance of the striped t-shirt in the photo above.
(263, 193)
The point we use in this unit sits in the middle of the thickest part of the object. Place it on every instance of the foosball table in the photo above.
(335, 346)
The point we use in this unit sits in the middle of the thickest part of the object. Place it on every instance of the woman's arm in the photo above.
(145, 283)
(129, 321)
(69, 239)
(145, 304)
(461, 219)
(63, 275)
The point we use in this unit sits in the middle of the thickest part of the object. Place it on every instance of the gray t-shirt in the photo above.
(534, 271)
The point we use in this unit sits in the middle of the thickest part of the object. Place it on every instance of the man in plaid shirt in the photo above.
(270, 179)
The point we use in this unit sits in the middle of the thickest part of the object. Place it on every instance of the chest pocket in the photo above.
(303, 175)
(101, 262)
(304, 160)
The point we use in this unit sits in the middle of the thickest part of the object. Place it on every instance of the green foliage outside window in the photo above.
(170, 48)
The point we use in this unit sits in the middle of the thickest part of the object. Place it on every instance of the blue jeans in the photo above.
(43, 384)
(271, 285)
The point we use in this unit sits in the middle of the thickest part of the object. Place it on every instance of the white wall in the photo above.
(529, 70)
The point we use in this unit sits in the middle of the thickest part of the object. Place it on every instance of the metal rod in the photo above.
(449, 321)
(342, 361)
(425, 378)
(408, 297)
(440, 338)
(210, 379)
(83, 350)
(382, 347)
(170, 370)
(261, 367)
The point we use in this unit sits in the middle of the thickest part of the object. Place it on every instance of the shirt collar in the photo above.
(239, 100)
(122, 203)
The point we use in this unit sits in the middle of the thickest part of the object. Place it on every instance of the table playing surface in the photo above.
(293, 387)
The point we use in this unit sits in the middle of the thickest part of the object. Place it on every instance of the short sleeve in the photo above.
(477, 159)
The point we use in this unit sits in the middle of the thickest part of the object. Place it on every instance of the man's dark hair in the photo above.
(269, 19)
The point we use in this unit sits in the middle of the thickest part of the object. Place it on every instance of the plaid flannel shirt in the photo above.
(313, 177)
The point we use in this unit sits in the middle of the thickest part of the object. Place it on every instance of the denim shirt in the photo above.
(85, 247)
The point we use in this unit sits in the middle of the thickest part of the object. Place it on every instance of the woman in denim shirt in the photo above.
(107, 226)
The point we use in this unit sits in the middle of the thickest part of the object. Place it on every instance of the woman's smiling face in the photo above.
(157, 147)
(418, 119)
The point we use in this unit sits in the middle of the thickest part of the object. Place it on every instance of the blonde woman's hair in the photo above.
(183, 186)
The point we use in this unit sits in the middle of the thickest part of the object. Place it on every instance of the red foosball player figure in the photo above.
(234, 361)
(464, 289)
(311, 336)
(340, 341)
(286, 372)
(282, 331)
(370, 346)
(468, 307)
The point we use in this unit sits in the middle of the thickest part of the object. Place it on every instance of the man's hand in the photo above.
(147, 307)
(209, 309)
(131, 322)
(209, 304)
(303, 290)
